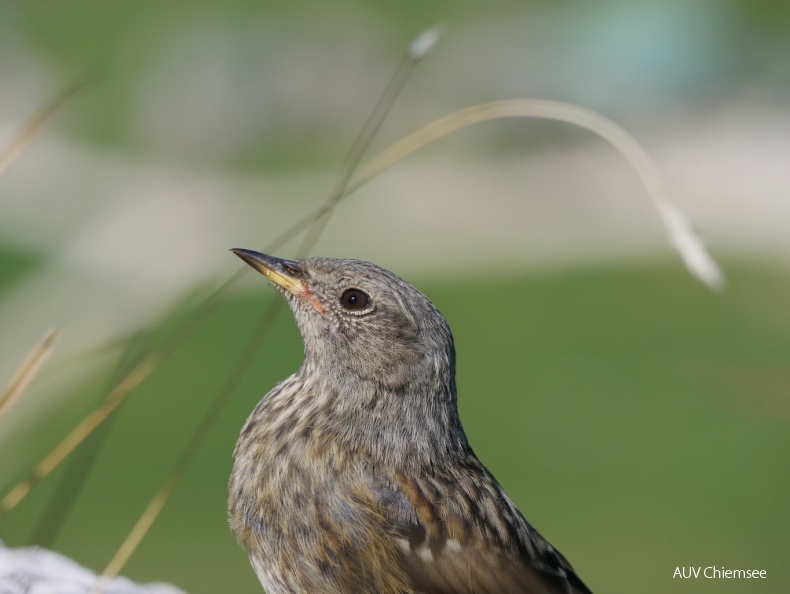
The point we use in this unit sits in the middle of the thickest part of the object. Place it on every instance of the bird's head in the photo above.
(359, 320)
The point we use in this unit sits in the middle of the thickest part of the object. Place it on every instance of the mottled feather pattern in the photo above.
(305, 513)
(355, 475)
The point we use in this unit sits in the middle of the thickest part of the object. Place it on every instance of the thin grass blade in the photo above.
(27, 372)
(31, 129)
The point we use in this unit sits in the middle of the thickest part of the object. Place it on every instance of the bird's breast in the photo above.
(284, 463)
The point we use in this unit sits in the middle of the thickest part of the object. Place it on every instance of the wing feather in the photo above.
(473, 542)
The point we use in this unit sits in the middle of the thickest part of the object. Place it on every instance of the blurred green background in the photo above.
(638, 420)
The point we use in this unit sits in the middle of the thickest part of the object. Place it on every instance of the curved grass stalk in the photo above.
(679, 230)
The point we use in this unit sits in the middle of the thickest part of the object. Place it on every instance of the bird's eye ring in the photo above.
(355, 301)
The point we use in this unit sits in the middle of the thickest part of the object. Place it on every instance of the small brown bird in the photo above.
(354, 475)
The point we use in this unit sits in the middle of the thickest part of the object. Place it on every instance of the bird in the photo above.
(354, 474)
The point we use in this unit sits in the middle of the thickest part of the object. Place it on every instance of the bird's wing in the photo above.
(461, 534)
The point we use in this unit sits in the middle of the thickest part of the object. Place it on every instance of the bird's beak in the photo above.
(281, 272)
(284, 273)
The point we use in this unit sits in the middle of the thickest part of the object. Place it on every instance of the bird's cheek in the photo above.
(338, 331)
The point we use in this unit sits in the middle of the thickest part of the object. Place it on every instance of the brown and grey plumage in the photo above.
(355, 475)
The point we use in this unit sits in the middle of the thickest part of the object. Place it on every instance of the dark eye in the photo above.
(354, 300)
